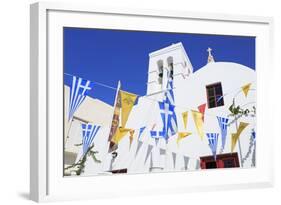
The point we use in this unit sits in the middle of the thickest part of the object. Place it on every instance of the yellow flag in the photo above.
(182, 135)
(184, 117)
(234, 139)
(127, 103)
(197, 117)
(131, 136)
(246, 88)
(235, 136)
(242, 126)
(120, 133)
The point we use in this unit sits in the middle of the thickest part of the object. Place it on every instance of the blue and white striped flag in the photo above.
(89, 132)
(223, 126)
(169, 119)
(168, 115)
(78, 92)
(167, 111)
(213, 142)
(170, 93)
(155, 134)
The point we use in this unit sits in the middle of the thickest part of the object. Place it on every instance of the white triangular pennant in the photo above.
(151, 161)
(174, 155)
(111, 164)
(156, 141)
(138, 147)
(197, 164)
(148, 152)
(162, 151)
(186, 160)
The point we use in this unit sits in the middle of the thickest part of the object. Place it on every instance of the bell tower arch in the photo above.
(169, 62)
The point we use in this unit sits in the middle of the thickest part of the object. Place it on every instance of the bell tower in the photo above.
(171, 61)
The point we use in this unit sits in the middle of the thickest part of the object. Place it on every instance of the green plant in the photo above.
(79, 166)
(238, 112)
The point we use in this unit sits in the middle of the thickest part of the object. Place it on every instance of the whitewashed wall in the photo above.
(190, 92)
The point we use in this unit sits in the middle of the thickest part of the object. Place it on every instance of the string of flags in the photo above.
(212, 138)
(81, 87)
(162, 151)
(245, 89)
(124, 103)
(181, 135)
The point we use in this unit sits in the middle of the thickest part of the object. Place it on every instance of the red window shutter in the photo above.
(202, 164)
(220, 163)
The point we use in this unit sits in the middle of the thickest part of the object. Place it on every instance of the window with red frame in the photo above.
(214, 95)
(227, 160)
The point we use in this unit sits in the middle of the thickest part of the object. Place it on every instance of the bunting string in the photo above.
(251, 146)
(201, 110)
(176, 106)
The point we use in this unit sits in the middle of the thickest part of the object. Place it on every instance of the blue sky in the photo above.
(107, 56)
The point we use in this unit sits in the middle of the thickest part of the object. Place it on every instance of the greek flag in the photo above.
(223, 126)
(168, 115)
(167, 110)
(78, 92)
(170, 99)
(156, 134)
(89, 132)
(169, 119)
(213, 142)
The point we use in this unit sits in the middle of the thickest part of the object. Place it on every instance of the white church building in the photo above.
(217, 85)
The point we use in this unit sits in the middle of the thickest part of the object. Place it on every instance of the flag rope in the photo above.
(176, 106)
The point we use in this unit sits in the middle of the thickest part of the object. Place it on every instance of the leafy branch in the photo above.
(79, 166)
(237, 112)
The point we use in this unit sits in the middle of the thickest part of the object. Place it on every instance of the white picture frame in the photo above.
(46, 177)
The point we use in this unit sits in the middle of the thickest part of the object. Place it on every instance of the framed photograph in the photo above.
(129, 102)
